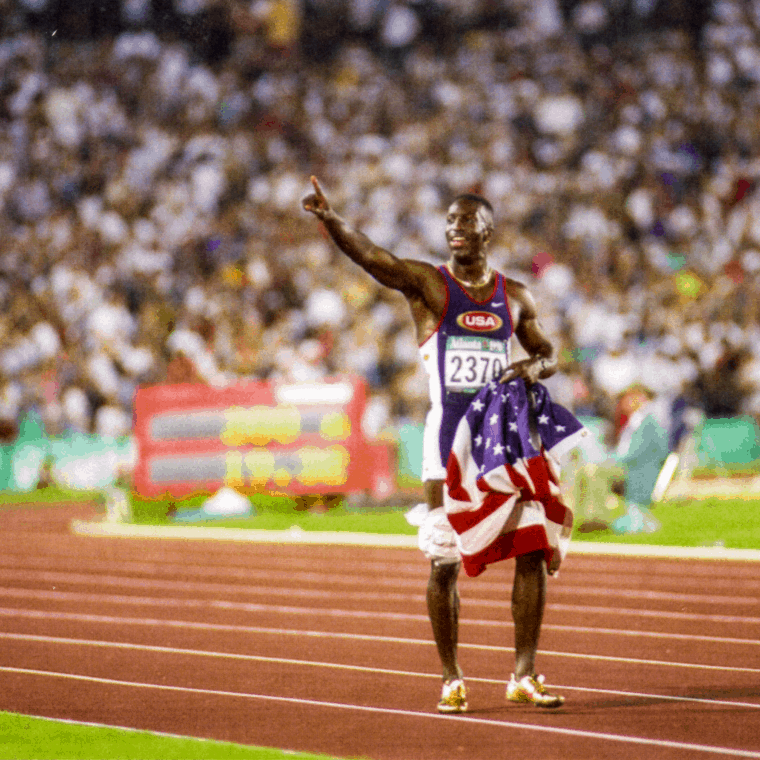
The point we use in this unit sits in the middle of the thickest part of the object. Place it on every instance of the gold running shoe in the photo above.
(453, 697)
(531, 689)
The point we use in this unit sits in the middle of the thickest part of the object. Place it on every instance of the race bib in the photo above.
(470, 362)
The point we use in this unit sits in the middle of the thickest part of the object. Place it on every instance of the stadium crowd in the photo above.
(153, 158)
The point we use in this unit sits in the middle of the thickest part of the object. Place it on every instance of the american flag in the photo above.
(503, 496)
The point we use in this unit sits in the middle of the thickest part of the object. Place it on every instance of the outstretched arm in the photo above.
(412, 278)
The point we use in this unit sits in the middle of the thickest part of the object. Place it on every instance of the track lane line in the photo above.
(577, 733)
(155, 648)
(119, 581)
(155, 622)
(211, 604)
(407, 575)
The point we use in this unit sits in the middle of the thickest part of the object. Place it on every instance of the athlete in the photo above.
(464, 314)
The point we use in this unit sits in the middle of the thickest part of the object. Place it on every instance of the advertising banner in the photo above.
(302, 438)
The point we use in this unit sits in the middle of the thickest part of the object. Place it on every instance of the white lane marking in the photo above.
(155, 622)
(341, 666)
(661, 614)
(331, 538)
(638, 740)
(391, 573)
(80, 596)
(118, 581)
(291, 536)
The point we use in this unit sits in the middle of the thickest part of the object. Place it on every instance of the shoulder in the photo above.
(425, 275)
(520, 296)
(514, 287)
(423, 268)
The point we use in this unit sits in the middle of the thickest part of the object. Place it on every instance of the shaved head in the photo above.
(486, 209)
(479, 199)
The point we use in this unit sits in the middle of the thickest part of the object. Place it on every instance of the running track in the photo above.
(328, 648)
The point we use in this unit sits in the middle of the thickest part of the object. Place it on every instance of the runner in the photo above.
(464, 314)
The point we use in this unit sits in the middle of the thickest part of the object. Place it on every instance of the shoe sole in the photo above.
(446, 710)
(527, 701)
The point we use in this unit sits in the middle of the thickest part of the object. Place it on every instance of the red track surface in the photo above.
(328, 649)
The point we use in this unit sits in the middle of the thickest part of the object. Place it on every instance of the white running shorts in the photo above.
(436, 537)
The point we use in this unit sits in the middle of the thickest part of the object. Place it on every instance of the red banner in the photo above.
(299, 438)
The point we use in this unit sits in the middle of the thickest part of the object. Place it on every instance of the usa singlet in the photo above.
(469, 348)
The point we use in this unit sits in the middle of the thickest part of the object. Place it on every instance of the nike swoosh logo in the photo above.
(500, 303)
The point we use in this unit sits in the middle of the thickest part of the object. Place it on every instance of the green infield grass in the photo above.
(46, 496)
(729, 522)
(712, 521)
(23, 737)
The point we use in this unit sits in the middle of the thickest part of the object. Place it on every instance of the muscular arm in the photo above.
(399, 274)
(420, 282)
(542, 360)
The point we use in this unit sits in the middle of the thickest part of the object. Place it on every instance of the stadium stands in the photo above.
(152, 158)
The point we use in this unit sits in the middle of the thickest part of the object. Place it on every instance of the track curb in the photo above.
(296, 535)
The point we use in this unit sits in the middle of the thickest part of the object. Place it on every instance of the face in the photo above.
(468, 228)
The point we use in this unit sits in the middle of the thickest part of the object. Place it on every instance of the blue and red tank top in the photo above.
(469, 348)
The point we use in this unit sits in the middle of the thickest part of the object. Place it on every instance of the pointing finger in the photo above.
(317, 188)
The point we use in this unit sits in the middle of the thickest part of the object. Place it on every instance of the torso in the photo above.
(468, 348)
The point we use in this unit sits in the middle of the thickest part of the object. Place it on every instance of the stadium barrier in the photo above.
(76, 462)
(89, 462)
(726, 441)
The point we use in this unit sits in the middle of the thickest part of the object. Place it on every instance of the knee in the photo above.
(443, 577)
(530, 563)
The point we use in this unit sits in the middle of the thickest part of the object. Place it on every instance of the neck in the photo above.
(474, 276)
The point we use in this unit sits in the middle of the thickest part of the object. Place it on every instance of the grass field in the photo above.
(26, 738)
(729, 522)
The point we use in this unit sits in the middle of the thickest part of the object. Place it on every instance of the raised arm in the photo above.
(415, 279)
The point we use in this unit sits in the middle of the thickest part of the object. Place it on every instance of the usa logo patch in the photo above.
(479, 321)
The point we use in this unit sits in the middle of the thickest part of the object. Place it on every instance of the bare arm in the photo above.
(421, 283)
(410, 277)
(542, 360)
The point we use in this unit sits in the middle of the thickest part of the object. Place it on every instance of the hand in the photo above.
(528, 369)
(316, 202)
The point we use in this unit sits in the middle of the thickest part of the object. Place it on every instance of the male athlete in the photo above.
(464, 314)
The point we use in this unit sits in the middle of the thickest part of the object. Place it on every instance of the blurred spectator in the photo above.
(154, 152)
(642, 447)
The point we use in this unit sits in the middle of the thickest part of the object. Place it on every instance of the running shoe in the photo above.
(531, 689)
(453, 697)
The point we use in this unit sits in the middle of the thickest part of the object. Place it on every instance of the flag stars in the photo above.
(513, 427)
(477, 405)
(493, 419)
(543, 420)
(497, 449)
(478, 440)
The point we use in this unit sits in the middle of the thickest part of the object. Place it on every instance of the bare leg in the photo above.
(443, 609)
(443, 598)
(528, 601)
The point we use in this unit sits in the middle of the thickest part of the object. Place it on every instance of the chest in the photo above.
(473, 339)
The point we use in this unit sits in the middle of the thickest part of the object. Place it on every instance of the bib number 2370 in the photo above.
(470, 363)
